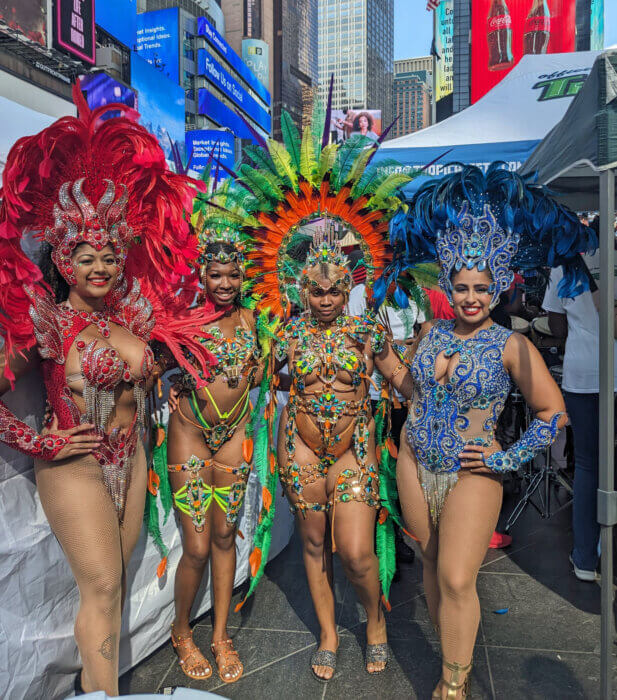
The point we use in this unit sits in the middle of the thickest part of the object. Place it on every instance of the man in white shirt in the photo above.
(577, 320)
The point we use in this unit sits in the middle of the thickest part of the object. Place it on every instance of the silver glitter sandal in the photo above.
(324, 657)
(375, 654)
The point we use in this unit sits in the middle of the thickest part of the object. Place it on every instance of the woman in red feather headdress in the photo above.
(116, 247)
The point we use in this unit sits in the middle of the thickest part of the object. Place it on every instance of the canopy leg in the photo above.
(607, 502)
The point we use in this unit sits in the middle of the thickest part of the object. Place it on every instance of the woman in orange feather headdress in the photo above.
(116, 245)
(326, 453)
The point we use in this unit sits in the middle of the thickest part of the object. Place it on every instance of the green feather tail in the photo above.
(152, 514)
(385, 536)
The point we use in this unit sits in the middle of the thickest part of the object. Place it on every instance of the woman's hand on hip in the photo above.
(79, 441)
(473, 457)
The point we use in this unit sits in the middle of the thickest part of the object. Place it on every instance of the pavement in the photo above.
(545, 645)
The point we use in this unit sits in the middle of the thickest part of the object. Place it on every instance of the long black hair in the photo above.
(54, 279)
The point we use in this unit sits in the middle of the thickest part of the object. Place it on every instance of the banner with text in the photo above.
(256, 55)
(209, 67)
(158, 42)
(444, 46)
(203, 144)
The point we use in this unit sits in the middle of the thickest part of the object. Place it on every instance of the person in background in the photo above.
(577, 321)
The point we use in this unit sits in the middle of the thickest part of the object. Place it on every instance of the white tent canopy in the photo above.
(506, 124)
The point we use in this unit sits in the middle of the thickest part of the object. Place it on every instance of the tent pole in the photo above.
(607, 501)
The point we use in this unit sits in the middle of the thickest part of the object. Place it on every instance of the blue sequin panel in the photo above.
(438, 426)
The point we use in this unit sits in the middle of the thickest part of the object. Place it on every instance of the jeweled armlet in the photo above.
(22, 437)
(538, 436)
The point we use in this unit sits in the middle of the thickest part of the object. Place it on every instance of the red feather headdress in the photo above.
(153, 226)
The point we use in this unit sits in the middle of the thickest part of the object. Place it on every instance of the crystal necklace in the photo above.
(99, 318)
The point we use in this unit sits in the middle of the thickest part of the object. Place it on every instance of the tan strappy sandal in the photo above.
(226, 656)
(456, 682)
(189, 656)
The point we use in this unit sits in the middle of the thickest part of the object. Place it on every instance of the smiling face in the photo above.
(222, 282)
(326, 302)
(96, 271)
(471, 295)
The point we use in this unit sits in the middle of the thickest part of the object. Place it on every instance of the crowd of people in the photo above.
(144, 271)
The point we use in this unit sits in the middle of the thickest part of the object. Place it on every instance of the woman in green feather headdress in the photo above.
(210, 443)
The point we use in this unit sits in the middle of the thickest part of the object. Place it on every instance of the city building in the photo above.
(250, 24)
(411, 95)
(278, 40)
(356, 45)
(220, 91)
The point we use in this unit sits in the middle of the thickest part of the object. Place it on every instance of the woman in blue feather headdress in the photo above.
(479, 226)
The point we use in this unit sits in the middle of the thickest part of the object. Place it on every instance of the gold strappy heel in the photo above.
(455, 683)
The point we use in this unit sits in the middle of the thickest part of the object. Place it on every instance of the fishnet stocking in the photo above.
(451, 557)
(83, 518)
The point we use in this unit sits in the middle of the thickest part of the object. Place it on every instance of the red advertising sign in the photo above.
(502, 31)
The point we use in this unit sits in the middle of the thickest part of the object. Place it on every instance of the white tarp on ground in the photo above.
(39, 600)
(506, 124)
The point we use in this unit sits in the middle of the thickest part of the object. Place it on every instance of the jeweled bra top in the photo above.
(445, 415)
(324, 351)
(235, 355)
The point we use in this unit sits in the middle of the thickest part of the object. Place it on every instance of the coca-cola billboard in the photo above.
(502, 31)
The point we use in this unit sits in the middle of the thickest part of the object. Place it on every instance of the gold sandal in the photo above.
(189, 656)
(455, 682)
(224, 650)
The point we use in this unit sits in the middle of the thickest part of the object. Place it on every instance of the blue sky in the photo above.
(413, 27)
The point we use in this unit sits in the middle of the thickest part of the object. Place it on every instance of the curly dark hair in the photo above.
(54, 279)
(356, 121)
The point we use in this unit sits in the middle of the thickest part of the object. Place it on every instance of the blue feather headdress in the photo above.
(476, 241)
(549, 234)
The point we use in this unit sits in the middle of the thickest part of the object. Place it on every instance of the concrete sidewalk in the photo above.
(546, 645)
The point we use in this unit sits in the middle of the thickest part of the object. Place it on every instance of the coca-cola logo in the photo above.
(538, 24)
(499, 22)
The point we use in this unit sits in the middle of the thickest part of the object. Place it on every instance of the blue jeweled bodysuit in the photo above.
(446, 415)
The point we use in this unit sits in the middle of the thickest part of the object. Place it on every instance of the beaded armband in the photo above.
(22, 437)
(538, 436)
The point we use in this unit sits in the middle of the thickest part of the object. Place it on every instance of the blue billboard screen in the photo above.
(160, 103)
(205, 29)
(101, 89)
(118, 18)
(213, 108)
(158, 42)
(208, 66)
(202, 143)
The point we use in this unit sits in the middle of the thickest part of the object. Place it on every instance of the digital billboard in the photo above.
(160, 103)
(118, 18)
(203, 143)
(211, 107)
(209, 67)
(218, 43)
(101, 89)
(597, 25)
(256, 55)
(28, 17)
(157, 41)
(346, 123)
(74, 29)
(444, 46)
(502, 31)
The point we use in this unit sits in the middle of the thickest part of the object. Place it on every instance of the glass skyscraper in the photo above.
(356, 44)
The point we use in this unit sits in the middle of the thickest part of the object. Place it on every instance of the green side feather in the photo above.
(291, 138)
